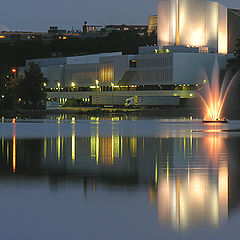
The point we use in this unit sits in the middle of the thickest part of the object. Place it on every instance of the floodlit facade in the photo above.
(192, 22)
(112, 77)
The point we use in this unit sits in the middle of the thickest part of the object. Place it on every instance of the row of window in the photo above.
(157, 76)
(155, 62)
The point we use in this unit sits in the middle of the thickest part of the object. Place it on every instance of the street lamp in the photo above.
(73, 84)
(97, 82)
(112, 85)
(58, 85)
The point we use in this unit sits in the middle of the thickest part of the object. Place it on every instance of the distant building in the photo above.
(91, 28)
(140, 29)
(55, 30)
(152, 24)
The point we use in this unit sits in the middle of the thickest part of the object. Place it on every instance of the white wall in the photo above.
(192, 68)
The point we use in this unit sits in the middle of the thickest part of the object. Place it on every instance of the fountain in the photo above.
(215, 96)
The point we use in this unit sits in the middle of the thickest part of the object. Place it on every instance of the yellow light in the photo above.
(2, 36)
(44, 84)
(204, 80)
(58, 84)
(167, 51)
(156, 172)
(64, 38)
(73, 145)
(97, 82)
(14, 70)
(191, 94)
(73, 84)
(14, 147)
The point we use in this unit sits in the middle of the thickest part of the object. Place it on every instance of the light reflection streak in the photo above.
(73, 144)
(59, 148)
(14, 147)
(45, 148)
(195, 197)
(7, 152)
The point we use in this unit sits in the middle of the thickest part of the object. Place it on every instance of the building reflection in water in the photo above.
(194, 192)
(187, 174)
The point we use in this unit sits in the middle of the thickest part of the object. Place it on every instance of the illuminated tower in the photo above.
(192, 22)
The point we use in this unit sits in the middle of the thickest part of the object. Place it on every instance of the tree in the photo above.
(31, 91)
(233, 65)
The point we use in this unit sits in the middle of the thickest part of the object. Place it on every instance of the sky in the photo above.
(32, 15)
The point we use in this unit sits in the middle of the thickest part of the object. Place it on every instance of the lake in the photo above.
(111, 178)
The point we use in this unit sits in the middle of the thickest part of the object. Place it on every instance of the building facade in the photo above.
(152, 24)
(192, 22)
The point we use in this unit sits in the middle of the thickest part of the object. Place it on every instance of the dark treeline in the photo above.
(16, 91)
(15, 54)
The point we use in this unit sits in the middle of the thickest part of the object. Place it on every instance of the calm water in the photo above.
(119, 179)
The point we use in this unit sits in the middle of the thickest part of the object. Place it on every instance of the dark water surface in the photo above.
(119, 179)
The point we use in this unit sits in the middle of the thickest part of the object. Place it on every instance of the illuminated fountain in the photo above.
(215, 97)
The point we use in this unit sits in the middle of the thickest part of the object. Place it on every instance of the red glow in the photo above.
(14, 70)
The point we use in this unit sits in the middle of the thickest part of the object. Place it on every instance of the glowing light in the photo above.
(73, 84)
(14, 70)
(156, 172)
(215, 97)
(73, 145)
(73, 120)
(14, 147)
(1, 37)
(196, 38)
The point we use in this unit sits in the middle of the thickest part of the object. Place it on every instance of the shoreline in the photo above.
(97, 111)
(86, 112)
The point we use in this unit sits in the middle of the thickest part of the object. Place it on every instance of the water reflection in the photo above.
(186, 177)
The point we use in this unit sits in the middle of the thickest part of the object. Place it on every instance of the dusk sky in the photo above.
(30, 15)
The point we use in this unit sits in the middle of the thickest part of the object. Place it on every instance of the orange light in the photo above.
(14, 145)
(14, 70)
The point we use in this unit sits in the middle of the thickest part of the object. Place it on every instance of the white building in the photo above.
(192, 22)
